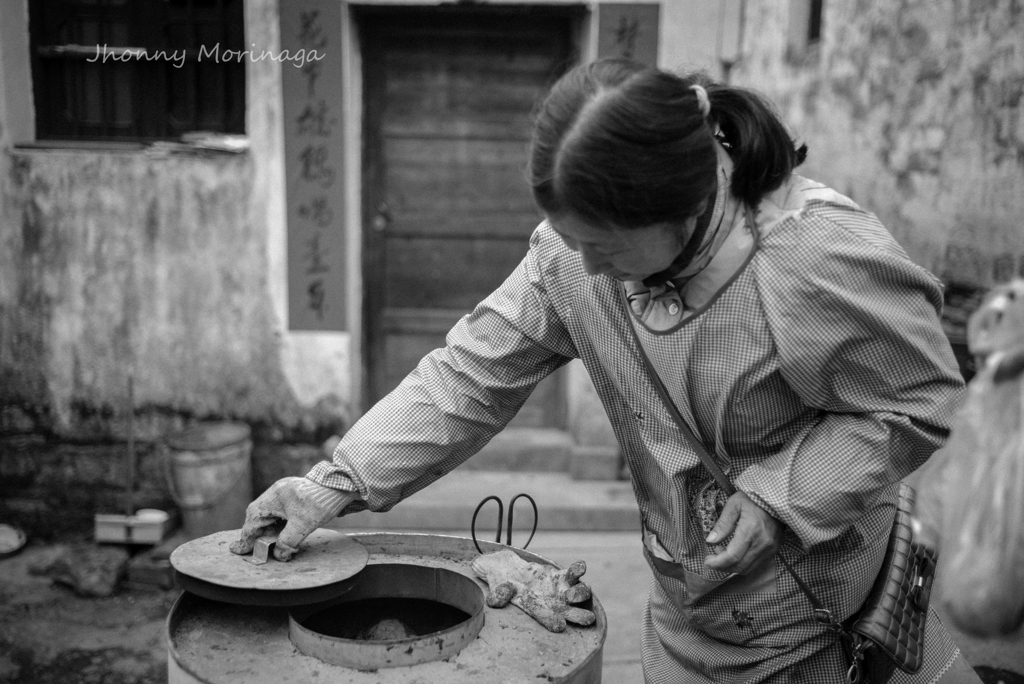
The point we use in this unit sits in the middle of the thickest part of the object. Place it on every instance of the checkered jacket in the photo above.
(819, 376)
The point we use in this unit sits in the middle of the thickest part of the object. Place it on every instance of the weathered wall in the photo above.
(123, 263)
(169, 267)
(914, 109)
(116, 264)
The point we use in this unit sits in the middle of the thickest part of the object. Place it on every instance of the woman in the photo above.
(791, 330)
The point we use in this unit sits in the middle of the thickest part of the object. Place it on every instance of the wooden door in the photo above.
(449, 94)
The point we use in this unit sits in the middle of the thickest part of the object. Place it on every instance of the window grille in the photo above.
(136, 70)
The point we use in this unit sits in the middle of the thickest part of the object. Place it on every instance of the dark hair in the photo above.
(619, 143)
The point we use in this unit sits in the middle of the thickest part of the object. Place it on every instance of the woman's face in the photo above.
(621, 253)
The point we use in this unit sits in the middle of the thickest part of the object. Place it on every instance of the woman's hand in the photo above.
(301, 504)
(756, 536)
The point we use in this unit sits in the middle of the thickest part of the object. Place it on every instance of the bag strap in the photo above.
(821, 613)
(709, 462)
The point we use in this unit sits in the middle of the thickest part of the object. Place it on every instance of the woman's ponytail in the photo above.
(761, 148)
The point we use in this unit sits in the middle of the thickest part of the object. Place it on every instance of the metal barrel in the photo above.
(211, 642)
(209, 475)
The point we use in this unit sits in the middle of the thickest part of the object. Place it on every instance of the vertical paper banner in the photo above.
(629, 31)
(311, 80)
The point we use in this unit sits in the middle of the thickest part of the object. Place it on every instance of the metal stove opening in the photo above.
(396, 615)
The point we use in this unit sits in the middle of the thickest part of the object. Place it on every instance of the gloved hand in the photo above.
(541, 591)
(305, 506)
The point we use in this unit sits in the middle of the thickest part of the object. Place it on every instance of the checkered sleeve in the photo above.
(457, 398)
(856, 326)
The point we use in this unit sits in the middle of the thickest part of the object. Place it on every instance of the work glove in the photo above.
(303, 505)
(541, 591)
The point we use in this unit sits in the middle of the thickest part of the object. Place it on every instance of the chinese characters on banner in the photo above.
(629, 31)
(313, 140)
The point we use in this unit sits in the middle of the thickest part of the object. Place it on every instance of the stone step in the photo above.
(563, 504)
(525, 449)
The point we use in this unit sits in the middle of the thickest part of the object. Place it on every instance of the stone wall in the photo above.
(53, 487)
(914, 109)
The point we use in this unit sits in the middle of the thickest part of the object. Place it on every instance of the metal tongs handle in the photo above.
(501, 515)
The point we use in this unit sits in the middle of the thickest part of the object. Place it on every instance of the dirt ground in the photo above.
(48, 635)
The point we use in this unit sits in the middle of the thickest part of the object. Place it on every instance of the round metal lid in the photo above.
(326, 566)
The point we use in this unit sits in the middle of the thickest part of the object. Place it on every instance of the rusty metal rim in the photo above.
(397, 580)
(210, 436)
(174, 617)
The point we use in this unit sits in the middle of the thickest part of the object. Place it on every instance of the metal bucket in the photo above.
(219, 643)
(209, 475)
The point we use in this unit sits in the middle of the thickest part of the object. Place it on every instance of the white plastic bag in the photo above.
(971, 500)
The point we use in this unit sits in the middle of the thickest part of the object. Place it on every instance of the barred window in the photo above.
(136, 70)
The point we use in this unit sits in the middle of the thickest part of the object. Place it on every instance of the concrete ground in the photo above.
(620, 578)
(50, 636)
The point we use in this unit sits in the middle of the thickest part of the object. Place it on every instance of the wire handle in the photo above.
(501, 519)
(511, 507)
